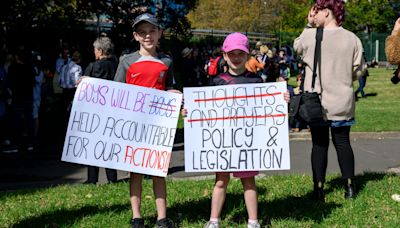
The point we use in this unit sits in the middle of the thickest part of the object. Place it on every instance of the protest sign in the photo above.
(121, 126)
(240, 127)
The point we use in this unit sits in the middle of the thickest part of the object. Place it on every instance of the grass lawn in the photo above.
(283, 202)
(380, 109)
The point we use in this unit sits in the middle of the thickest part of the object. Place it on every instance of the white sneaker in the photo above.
(10, 149)
(253, 225)
(29, 147)
(396, 197)
(211, 224)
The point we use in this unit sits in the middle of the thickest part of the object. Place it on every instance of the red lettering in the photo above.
(148, 158)
(166, 165)
(128, 148)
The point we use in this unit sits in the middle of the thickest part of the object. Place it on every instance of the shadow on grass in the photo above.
(234, 210)
(366, 96)
(65, 217)
(292, 207)
(370, 95)
(360, 181)
(303, 208)
(297, 208)
(32, 188)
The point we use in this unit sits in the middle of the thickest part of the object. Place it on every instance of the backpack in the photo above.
(213, 66)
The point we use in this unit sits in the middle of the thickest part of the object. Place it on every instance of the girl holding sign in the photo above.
(236, 54)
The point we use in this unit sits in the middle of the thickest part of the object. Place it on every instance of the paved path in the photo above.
(377, 152)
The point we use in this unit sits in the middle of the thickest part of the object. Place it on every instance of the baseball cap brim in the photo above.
(145, 18)
(236, 47)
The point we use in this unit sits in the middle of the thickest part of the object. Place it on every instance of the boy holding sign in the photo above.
(147, 68)
(236, 53)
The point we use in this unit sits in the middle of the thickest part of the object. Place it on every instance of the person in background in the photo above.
(215, 65)
(70, 74)
(189, 68)
(294, 123)
(392, 50)
(3, 101)
(257, 51)
(271, 68)
(104, 67)
(252, 64)
(362, 81)
(341, 63)
(264, 60)
(21, 79)
(64, 59)
(37, 93)
(283, 63)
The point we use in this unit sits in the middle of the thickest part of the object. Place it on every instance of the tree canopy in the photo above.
(66, 19)
(272, 16)
(370, 15)
(50, 22)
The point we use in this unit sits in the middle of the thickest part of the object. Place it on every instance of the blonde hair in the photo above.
(264, 49)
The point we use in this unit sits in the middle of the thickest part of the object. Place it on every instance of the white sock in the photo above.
(214, 220)
(252, 221)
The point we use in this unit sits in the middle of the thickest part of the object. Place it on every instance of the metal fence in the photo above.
(253, 36)
(373, 43)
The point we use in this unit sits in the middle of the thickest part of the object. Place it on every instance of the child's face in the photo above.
(147, 35)
(236, 59)
(299, 81)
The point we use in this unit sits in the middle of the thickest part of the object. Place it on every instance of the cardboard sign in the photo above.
(121, 126)
(240, 127)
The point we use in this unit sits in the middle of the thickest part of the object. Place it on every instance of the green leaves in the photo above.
(369, 15)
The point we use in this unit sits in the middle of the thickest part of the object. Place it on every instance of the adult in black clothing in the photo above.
(189, 67)
(106, 63)
(104, 67)
(21, 80)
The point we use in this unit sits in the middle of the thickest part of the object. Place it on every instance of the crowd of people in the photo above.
(266, 60)
(25, 79)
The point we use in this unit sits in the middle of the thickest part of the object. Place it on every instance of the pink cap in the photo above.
(236, 41)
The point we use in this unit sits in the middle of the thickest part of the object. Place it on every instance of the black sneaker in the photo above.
(165, 223)
(137, 223)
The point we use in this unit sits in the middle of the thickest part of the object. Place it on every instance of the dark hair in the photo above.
(76, 56)
(337, 7)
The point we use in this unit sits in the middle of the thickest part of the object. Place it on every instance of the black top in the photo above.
(21, 80)
(104, 68)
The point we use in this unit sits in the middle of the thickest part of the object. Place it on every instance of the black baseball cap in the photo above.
(146, 17)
